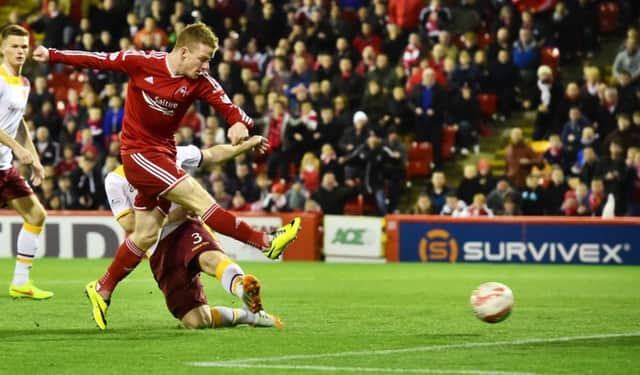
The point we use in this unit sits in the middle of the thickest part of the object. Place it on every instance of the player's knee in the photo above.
(37, 216)
(145, 239)
(209, 261)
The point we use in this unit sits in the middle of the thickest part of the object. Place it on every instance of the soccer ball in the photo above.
(492, 302)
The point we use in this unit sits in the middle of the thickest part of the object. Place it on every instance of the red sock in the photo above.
(224, 222)
(127, 258)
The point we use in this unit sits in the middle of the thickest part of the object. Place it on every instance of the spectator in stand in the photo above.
(112, 123)
(86, 185)
(555, 192)
(55, 25)
(627, 133)
(394, 170)
(497, 196)
(296, 196)
(398, 116)
(510, 207)
(572, 133)
(597, 197)
(438, 190)
(586, 12)
(40, 94)
(331, 197)
(329, 163)
(588, 165)
(453, 206)
(68, 162)
(393, 44)
(576, 202)
(546, 101)
(411, 54)
(469, 185)
(531, 197)
(525, 57)
(382, 73)
(626, 92)
(614, 170)
(274, 130)
(276, 201)
(374, 105)
(520, 158)
(422, 206)
(486, 180)
(429, 103)
(144, 39)
(48, 117)
(327, 131)
(606, 113)
(504, 76)
(348, 83)
(479, 208)
(464, 115)
(628, 60)
(48, 150)
(310, 171)
(434, 18)
(355, 135)
(556, 154)
(367, 37)
(244, 182)
(464, 73)
(503, 42)
(404, 13)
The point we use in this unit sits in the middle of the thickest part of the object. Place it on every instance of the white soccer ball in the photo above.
(492, 302)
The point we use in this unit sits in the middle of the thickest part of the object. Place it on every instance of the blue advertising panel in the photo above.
(549, 243)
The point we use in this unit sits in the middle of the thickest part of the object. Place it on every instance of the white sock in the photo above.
(228, 317)
(27, 246)
(229, 274)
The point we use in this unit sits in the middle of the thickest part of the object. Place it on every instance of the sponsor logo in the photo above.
(349, 236)
(438, 245)
(550, 252)
(164, 106)
(182, 91)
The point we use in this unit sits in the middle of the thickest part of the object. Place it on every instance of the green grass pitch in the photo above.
(339, 319)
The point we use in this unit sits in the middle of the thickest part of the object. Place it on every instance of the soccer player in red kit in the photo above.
(161, 88)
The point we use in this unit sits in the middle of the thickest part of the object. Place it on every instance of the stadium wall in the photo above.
(95, 234)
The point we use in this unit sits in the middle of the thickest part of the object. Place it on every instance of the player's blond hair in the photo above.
(13, 30)
(197, 33)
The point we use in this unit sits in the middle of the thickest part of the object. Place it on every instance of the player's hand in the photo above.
(23, 155)
(37, 174)
(260, 143)
(41, 54)
(237, 133)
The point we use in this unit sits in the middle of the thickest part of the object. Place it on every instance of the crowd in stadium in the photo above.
(341, 89)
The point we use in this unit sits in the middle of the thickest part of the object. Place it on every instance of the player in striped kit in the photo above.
(14, 137)
(162, 86)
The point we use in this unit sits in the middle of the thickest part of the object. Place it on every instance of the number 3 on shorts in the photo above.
(197, 238)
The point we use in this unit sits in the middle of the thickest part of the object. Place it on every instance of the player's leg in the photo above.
(128, 256)
(232, 278)
(189, 194)
(34, 215)
(218, 317)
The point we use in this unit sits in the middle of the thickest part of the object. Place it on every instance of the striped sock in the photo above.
(27, 247)
(224, 222)
(127, 258)
(230, 276)
(228, 317)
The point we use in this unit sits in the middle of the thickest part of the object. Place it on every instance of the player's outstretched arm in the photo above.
(221, 153)
(120, 61)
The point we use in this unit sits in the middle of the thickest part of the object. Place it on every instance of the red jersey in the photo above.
(157, 99)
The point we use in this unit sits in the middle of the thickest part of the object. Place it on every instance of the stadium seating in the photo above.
(448, 141)
(608, 13)
(488, 104)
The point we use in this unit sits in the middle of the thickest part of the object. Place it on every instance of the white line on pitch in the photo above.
(417, 349)
(366, 369)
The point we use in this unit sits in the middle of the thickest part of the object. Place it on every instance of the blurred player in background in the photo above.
(14, 136)
(187, 247)
(161, 88)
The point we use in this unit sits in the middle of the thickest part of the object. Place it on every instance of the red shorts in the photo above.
(153, 174)
(12, 186)
(176, 269)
